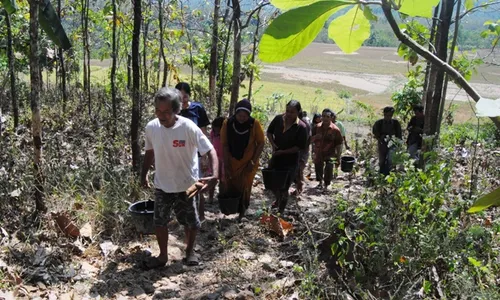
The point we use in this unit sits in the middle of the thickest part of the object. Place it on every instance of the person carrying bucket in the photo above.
(173, 143)
(288, 136)
(327, 140)
(340, 125)
(242, 141)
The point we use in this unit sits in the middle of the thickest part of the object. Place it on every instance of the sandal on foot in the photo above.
(191, 261)
(154, 263)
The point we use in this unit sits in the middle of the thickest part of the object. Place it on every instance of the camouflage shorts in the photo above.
(185, 209)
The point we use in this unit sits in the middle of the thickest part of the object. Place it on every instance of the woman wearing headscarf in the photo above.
(242, 140)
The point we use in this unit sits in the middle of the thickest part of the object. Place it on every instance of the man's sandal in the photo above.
(191, 260)
(154, 263)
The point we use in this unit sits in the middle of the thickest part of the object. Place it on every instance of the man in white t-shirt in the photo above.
(173, 143)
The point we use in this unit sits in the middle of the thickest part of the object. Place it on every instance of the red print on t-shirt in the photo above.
(179, 143)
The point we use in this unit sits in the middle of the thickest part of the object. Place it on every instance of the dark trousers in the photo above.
(292, 168)
(324, 171)
(385, 159)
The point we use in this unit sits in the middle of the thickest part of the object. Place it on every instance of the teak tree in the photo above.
(41, 14)
(136, 85)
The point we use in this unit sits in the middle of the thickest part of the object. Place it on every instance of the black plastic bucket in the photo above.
(347, 163)
(229, 203)
(275, 179)
(142, 213)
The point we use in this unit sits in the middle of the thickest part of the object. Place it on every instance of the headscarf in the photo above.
(238, 134)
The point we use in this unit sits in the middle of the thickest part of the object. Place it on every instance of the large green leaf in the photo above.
(418, 8)
(469, 4)
(486, 201)
(52, 26)
(289, 4)
(9, 5)
(292, 31)
(350, 30)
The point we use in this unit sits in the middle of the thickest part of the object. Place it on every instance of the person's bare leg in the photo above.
(190, 239)
(162, 237)
(211, 194)
(201, 207)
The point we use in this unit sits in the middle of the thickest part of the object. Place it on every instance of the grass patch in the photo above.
(269, 93)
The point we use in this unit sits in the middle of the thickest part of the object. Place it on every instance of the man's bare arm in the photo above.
(215, 163)
(149, 157)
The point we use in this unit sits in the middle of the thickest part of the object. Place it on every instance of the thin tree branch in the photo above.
(405, 39)
(476, 8)
(259, 7)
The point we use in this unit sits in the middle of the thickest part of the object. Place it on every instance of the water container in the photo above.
(274, 179)
(347, 163)
(229, 203)
(142, 213)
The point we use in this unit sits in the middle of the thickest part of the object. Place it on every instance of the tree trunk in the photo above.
(136, 82)
(12, 71)
(191, 62)
(235, 84)
(212, 79)
(85, 83)
(62, 66)
(145, 51)
(450, 60)
(86, 54)
(442, 53)
(129, 72)
(254, 51)
(431, 47)
(114, 56)
(223, 71)
(162, 46)
(35, 109)
(87, 49)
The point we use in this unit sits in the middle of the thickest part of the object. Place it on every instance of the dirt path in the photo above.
(239, 261)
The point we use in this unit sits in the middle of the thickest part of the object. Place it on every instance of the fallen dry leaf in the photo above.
(66, 225)
(276, 224)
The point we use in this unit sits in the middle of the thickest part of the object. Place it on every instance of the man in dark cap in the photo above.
(384, 131)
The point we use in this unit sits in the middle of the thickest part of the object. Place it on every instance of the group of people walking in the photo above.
(186, 157)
